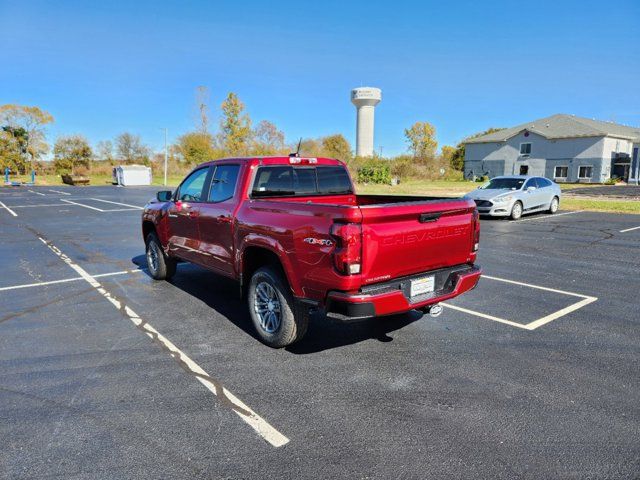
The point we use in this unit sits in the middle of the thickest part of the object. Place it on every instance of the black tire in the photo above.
(553, 206)
(160, 266)
(516, 211)
(272, 309)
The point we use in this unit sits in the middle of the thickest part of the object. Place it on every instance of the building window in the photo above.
(525, 149)
(561, 172)
(585, 172)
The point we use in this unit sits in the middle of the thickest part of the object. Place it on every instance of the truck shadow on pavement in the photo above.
(324, 332)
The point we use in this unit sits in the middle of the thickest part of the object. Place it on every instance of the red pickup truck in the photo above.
(295, 235)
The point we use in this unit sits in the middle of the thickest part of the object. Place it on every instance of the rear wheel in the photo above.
(273, 310)
(516, 211)
(553, 207)
(161, 267)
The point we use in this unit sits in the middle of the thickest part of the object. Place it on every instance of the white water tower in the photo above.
(365, 99)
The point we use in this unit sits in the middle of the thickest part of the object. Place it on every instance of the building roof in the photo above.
(562, 126)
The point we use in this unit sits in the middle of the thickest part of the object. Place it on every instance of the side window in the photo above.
(223, 184)
(530, 183)
(543, 182)
(191, 188)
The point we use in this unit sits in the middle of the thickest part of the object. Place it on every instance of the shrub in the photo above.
(374, 172)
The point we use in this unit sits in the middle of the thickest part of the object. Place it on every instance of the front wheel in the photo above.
(160, 266)
(272, 309)
(553, 207)
(516, 211)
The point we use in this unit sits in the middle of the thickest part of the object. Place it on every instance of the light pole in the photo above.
(166, 155)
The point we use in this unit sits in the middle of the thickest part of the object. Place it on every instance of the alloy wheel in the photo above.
(267, 307)
(152, 256)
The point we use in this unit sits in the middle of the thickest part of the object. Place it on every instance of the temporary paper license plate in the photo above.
(421, 286)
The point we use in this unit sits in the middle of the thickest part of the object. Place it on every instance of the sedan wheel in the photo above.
(516, 211)
(553, 208)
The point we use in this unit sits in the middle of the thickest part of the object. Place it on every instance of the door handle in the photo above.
(224, 218)
(192, 214)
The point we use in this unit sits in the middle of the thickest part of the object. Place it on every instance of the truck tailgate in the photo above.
(407, 238)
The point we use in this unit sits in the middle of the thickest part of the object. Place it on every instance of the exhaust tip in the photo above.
(434, 310)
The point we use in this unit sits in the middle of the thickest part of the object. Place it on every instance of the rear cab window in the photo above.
(284, 180)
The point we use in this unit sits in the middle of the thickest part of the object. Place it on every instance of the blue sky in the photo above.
(103, 68)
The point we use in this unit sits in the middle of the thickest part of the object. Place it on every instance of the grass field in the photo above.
(440, 188)
(455, 189)
(96, 180)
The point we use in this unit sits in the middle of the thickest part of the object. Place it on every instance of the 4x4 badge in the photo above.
(318, 241)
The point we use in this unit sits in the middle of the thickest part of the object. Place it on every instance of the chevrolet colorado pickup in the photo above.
(297, 238)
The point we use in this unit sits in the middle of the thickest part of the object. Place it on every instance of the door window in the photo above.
(543, 182)
(223, 184)
(191, 188)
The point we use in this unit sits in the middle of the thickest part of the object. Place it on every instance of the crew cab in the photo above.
(296, 236)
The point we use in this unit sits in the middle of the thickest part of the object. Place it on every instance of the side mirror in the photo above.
(530, 189)
(164, 195)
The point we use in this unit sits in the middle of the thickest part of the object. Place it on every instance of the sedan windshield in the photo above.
(504, 184)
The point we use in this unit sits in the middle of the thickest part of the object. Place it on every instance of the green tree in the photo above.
(451, 156)
(13, 150)
(71, 154)
(26, 127)
(309, 147)
(196, 147)
(267, 139)
(456, 160)
(235, 126)
(336, 146)
(130, 149)
(421, 137)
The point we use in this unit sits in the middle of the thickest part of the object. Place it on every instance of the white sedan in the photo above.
(517, 195)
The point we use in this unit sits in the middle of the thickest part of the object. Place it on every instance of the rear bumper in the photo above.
(393, 297)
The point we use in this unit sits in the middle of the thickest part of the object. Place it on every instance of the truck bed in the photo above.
(401, 235)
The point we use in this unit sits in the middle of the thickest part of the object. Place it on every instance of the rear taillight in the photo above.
(347, 256)
(475, 231)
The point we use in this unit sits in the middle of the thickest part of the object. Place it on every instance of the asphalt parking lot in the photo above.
(105, 373)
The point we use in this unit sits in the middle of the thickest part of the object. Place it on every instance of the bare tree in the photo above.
(130, 149)
(104, 150)
(202, 107)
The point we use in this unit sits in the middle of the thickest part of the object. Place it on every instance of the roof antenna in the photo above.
(297, 153)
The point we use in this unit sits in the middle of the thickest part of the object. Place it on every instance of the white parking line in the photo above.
(37, 193)
(554, 290)
(81, 205)
(260, 425)
(40, 205)
(117, 203)
(540, 217)
(8, 209)
(629, 229)
(61, 193)
(65, 280)
(586, 300)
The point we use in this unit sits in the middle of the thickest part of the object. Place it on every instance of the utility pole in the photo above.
(166, 155)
